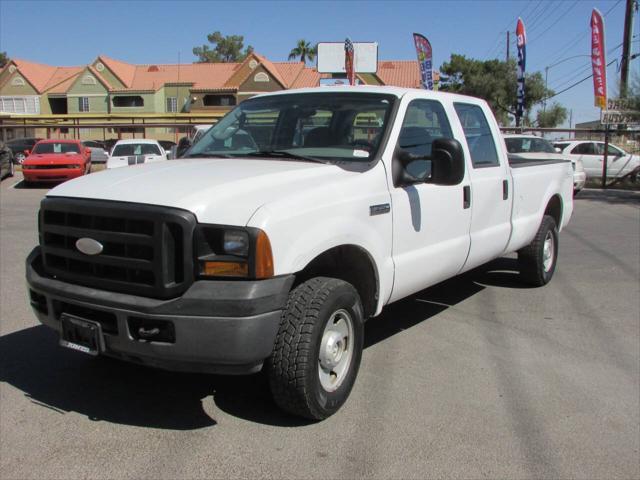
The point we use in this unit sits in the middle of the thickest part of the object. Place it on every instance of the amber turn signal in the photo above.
(225, 269)
(264, 257)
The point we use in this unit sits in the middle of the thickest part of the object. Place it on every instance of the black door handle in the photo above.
(466, 196)
(505, 189)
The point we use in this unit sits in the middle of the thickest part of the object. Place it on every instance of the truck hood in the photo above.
(224, 191)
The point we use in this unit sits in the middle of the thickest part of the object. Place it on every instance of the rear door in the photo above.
(491, 184)
(589, 153)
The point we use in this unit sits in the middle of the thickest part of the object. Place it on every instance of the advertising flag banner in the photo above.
(423, 49)
(348, 61)
(521, 37)
(598, 61)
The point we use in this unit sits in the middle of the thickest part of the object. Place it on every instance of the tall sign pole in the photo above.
(424, 52)
(521, 37)
(626, 48)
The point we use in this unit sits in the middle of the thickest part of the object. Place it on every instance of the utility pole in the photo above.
(508, 39)
(626, 47)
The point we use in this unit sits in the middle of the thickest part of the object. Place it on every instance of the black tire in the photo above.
(532, 258)
(11, 169)
(294, 366)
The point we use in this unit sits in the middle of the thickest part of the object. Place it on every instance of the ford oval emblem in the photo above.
(89, 246)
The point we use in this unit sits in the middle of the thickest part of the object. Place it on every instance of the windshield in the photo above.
(528, 145)
(322, 126)
(56, 148)
(127, 149)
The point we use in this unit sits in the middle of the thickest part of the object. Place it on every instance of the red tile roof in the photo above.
(202, 76)
(400, 73)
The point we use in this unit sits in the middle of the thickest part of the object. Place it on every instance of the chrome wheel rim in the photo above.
(336, 350)
(19, 158)
(548, 251)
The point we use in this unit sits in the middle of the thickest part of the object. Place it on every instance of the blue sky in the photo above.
(74, 33)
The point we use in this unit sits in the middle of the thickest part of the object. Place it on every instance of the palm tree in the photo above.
(304, 50)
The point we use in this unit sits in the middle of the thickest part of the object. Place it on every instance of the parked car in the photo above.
(195, 134)
(532, 147)
(56, 161)
(134, 152)
(98, 153)
(235, 258)
(591, 153)
(6, 161)
(19, 145)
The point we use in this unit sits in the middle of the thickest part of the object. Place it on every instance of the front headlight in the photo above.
(232, 252)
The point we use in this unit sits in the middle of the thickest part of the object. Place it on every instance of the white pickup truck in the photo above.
(300, 215)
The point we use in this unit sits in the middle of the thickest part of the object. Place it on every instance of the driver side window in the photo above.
(424, 121)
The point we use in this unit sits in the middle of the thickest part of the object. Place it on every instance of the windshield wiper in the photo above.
(281, 154)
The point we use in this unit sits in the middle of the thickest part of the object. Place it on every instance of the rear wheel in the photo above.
(318, 348)
(537, 261)
(11, 169)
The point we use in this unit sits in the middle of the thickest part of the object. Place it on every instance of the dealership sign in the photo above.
(619, 111)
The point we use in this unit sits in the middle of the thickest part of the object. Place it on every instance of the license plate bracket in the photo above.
(81, 334)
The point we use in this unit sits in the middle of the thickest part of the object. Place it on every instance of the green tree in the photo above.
(304, 50)
(4, 59)
(552, 116)
(225, 49)
(493, 80)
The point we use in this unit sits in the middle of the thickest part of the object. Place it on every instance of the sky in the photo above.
(69, 33)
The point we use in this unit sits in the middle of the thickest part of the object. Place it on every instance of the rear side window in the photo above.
(478, 134)
(424, 121)
(587, 148)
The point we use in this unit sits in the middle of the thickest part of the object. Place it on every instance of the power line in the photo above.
(567, 47)
(585, 68)
(540, 20)
(575, 84)
(560, 17)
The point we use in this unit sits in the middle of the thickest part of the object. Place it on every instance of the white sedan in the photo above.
(536, 148)
(591, 153)
(134, 152)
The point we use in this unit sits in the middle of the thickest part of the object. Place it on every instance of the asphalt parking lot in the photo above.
(479, 377)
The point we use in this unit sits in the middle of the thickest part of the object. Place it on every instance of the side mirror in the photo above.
(447, 159)
(409, 169)
(184, 144)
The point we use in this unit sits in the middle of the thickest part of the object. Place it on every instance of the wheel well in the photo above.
(351, 264)
(554, 208)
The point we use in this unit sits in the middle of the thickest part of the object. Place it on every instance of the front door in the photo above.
(430, 222)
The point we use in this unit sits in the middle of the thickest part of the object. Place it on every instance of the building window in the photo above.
(18, 82)
(83, 104)
(88, 80)
(218, 100)
(172, 104)
(26, 104)
(128, 101)
(261, 77)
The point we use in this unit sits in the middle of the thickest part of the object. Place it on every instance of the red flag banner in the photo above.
(598, 61)
(348, 61)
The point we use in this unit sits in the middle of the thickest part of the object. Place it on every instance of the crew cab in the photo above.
(56, 161)
(292, 221)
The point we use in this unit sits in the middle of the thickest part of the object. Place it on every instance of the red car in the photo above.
(56, 161)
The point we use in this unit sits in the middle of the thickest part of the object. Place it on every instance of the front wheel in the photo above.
(318, 348)
(537, 261)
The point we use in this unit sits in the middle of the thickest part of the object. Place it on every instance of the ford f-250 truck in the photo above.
(289, 223)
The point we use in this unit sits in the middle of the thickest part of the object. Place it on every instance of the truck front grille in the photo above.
(146, 250)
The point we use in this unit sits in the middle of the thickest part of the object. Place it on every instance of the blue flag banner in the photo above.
(423, 49)
(522, 60)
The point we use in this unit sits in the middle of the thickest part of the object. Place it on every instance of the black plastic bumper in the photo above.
(215, 326)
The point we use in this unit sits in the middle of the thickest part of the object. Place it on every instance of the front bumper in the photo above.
(217, 326)
(51, 175)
